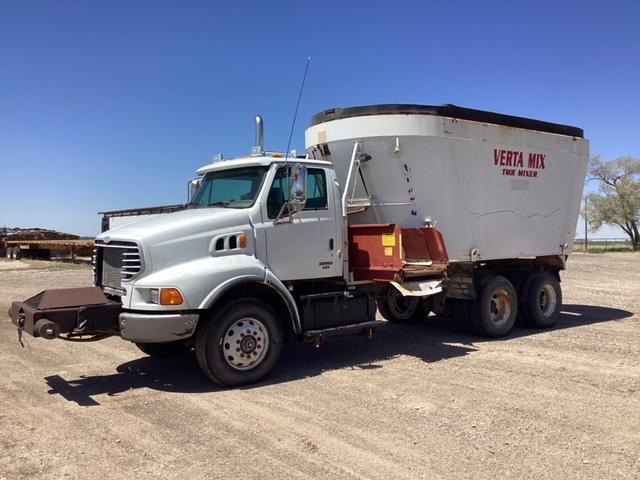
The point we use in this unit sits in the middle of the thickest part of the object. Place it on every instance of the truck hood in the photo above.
(181, 236)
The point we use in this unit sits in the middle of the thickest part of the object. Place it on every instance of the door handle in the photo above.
(331, 244)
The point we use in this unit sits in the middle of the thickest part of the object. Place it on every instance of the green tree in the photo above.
(617, 201)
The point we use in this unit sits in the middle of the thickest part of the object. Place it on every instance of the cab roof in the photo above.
(263, 161)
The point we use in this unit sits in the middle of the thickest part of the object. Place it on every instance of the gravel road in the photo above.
(426, 401)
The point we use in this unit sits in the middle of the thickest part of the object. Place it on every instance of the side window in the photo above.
(279, 191)
(316, 189)
(277, 196)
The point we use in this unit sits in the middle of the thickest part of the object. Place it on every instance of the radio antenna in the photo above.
(295, 115)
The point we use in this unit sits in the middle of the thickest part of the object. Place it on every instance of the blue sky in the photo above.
(109, 105)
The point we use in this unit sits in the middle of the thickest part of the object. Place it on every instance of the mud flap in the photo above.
(419, 288)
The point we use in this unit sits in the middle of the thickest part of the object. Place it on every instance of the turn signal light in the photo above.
(242, 240)
(170, 296)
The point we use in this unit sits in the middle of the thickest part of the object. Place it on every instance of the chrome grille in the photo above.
(119, 261)
(111, 267)
(131, 264)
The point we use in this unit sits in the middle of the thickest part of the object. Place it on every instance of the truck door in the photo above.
(305, 247)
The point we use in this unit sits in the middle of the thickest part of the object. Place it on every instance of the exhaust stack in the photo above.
(258, 149)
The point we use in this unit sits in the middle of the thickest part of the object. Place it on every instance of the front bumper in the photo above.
(157, 328)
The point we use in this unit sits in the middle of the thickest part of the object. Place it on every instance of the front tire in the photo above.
(240, 344)
(395, 307)
(541, 300)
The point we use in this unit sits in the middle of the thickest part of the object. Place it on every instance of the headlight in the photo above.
(154, 295)
(165, 296)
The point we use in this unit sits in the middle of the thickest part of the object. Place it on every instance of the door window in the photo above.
(279, 192)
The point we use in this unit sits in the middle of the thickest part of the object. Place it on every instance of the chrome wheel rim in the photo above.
(500, 307)
(548, 300)
(245, 343)
(401, 307)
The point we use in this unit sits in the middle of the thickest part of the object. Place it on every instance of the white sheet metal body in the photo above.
(474, 179)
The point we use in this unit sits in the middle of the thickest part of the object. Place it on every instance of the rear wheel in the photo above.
(442, 306)
(395, 307)
(541, 300)
(427, 305)
(494, 311)
(163, 350)
(240, 344)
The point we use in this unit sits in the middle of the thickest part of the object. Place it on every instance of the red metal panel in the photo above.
(384, 252)
(374, 251)
(435, 243)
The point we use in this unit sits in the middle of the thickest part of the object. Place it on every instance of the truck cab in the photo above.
(240, 217)
(256, 256)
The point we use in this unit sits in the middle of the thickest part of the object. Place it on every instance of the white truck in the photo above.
(407, 208)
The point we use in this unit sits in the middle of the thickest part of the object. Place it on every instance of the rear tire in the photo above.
(427, 305)
(239, 344)
(163, 350)
(494, 311)
(395, 307)
(442, 306)
(541, 300)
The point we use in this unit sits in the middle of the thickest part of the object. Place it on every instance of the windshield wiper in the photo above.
(219, 204)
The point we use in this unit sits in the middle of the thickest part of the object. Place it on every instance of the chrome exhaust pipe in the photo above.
(258, 149)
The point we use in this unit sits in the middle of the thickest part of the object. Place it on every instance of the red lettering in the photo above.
(532, 160)
(541, 157)
(496, 156)
(509, 157)
(518, 162)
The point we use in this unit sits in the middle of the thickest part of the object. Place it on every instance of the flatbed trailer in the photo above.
(42, 248)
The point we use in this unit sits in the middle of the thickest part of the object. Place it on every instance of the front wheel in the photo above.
(240, 344)
(395, 307)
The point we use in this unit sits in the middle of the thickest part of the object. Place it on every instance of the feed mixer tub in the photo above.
(498, 187)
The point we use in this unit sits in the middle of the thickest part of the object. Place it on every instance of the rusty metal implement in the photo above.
(75, 312)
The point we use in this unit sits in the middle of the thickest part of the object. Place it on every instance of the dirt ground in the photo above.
(426, 401)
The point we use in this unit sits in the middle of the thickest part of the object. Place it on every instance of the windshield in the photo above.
(235, 188)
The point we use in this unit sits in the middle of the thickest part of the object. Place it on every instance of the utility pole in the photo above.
(585, 224)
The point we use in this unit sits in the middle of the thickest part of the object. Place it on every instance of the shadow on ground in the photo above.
(436, 339)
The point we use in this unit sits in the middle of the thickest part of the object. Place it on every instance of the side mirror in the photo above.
(298, 189)
(297, 178)
(192, 188)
